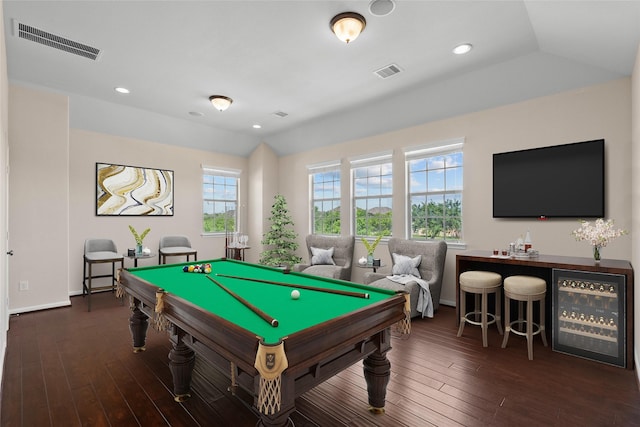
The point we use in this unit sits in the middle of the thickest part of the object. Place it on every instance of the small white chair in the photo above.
(175, 246)
(480, 283)
(99, 251)
(525, 289)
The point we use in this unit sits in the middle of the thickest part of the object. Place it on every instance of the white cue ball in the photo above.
(295, 294)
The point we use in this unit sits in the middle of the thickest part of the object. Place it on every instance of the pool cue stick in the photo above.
(309, 288)
(270, 320)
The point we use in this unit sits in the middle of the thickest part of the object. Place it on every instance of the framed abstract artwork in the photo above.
(133, 191)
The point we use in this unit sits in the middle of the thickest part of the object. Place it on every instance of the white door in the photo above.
(4, 228)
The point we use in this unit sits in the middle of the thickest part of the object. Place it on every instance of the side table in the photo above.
(374, 267)
(136, 257)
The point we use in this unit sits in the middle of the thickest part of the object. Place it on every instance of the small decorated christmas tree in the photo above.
(281, 239)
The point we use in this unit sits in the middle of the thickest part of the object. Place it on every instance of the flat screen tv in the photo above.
(561, 181)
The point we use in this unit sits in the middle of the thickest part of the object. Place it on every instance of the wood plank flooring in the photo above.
(67, 367)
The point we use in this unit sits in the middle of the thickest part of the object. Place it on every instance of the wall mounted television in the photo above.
(561, 181)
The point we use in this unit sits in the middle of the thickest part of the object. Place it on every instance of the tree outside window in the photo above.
(220, 202)
(325, 190)
(373, 191)
(435, 196)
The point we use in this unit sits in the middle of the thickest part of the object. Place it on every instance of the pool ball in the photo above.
(295, 294)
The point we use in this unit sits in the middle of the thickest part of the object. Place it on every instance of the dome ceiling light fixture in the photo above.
(347, 26)
(220, 102)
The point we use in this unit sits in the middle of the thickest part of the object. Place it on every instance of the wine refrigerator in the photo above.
(589, 318)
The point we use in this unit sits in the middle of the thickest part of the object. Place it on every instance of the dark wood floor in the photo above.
(68, 367)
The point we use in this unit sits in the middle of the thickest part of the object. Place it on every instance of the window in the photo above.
(372, 195)
(325, 199)
(220, 200)
(435, 192)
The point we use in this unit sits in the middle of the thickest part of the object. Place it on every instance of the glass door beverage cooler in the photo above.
(588, 315)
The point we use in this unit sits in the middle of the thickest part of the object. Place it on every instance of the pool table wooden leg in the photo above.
(138, 324)
(287, 404)
(377, 371)
(281, 419)
(181, 362)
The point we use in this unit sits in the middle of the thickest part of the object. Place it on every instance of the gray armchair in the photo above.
(431, 269)
(342, 257)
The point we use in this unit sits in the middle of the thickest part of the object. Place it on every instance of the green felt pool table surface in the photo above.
(312, 308)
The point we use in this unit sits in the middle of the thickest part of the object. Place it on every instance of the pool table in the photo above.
(317, 335)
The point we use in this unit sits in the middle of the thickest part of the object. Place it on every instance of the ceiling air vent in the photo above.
(280, 114)
(28, 32)
(388, 71)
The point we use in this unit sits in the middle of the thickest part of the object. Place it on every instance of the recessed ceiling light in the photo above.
(195, 113)
(462, 49)
(381, 7)
(257, 126)
(122, 90)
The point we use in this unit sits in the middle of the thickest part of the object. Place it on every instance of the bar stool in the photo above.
(525, 289)
(171, 246)
(99, 251)
(480, 283)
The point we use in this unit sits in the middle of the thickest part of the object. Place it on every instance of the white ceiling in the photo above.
(272, 56)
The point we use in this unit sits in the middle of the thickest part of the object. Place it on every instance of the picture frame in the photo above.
(123, 190)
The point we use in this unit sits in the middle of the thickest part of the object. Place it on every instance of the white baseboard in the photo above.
(40, 307)
(447, 302)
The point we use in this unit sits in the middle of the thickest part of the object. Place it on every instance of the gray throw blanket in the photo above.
(425, 303)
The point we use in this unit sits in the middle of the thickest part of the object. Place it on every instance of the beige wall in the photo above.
(87, 148)
(53, 190)
(601, 111)
(38, 199)
(263, 179)
(635, 186)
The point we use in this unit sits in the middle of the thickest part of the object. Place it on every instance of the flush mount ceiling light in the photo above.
(220, 102)
(347, 26)
(462, 48)
(122, 90)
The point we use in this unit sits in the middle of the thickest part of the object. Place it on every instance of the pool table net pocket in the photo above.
(271, 361)
(404, 326)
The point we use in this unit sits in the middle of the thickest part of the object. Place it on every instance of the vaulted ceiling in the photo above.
(280, 58)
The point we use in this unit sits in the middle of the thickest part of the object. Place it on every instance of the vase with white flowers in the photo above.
(371, 247)
(139, 238)
(598, 235)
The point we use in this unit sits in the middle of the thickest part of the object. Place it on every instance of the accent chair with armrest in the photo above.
(171, 246)
(430, 267)
(332, 258)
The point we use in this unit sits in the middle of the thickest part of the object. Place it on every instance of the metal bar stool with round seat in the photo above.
(525, 289)
(480, 283)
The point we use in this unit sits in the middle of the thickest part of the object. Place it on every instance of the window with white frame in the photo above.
(325, 198)
(372, 189)
(434, 180)
(219, 200)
